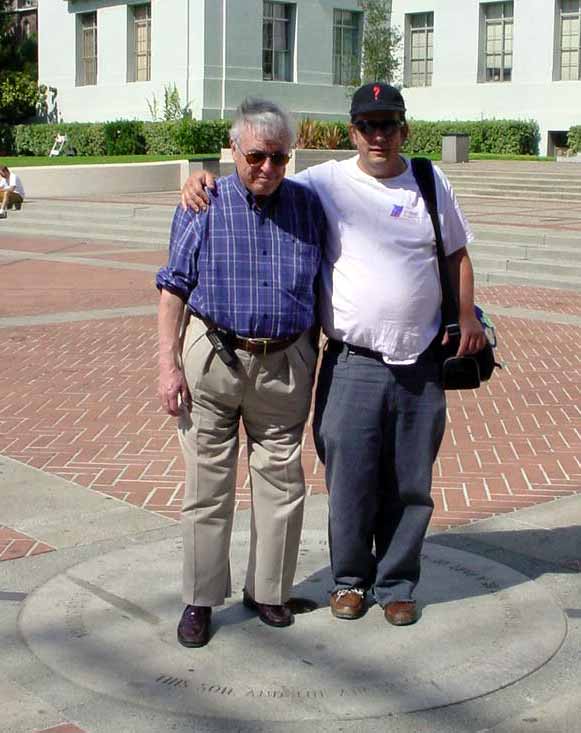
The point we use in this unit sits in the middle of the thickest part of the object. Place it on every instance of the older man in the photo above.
(244, 273)
(380, 406)
(11, 191)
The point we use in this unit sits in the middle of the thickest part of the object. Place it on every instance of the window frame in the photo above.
(504, 22)
(571, 50)
(136, 26)
(426, 59)
(286, 22)
(339, 63)
(88, 67)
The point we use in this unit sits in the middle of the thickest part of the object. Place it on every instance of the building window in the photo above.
(570, 39)
(141, 45)
(498, 20)
(346, 47)
(276, 42)
(419, 49)
(88, 45)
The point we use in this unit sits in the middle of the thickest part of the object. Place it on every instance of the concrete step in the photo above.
(495, 277)
(522, 266)
(535, 237)
(485, 191)
(129, 235)
(528, 252)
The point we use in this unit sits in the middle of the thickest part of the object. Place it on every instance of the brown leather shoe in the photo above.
(401, 613)
(348, 603)
(194, 626)
(272, 615)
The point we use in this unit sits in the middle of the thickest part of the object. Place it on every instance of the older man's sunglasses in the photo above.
(388, 127)
(257, 157)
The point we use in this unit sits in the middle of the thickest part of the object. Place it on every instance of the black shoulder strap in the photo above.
(424, 174)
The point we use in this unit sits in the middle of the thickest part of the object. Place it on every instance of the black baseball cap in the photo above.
(376, 97)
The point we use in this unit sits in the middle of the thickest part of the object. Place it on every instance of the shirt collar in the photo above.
(249, 197)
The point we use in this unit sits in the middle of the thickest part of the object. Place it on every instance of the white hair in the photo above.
(265, 118)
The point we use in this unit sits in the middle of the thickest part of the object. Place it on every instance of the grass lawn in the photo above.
(26, 161)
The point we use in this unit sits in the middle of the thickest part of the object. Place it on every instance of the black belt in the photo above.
(338, 346)
(260, 346)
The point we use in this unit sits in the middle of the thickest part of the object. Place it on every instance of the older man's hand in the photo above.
(194, 193)
(173, 390)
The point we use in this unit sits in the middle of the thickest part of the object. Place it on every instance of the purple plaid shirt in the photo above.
(250, 270)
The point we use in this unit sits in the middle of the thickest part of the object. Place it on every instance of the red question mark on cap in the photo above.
(376, 91)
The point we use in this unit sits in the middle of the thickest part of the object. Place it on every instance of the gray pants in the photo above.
(271, 395)
(378, 429)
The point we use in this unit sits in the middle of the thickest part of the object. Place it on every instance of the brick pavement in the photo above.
(77, 399)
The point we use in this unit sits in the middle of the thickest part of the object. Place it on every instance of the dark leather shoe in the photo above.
(401, 613)
(348, 603)
(268, 614)
(194, 626)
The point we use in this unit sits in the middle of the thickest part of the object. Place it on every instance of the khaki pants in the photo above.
(8, 199)
(271, 394)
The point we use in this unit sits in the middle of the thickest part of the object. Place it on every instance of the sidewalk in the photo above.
(91, 485)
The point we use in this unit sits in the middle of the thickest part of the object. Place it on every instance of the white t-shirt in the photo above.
(13, 181)
(380, 286)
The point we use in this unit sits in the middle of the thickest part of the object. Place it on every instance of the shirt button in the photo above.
(263, 251)
(265, 315)
(265, 283)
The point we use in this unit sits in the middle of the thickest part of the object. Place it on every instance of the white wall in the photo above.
(455, 93)
(113, 97)
(191, 55)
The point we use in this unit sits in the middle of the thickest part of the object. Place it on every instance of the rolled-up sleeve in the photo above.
(180, 275)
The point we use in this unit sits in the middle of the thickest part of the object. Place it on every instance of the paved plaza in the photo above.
(91, 479)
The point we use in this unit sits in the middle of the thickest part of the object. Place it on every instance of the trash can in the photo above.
(455, 147)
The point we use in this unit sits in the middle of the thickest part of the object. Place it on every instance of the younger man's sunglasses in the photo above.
(257, 157)
(366, 127)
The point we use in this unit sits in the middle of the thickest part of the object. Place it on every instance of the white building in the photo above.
(461, 59)
(473, 59)
(108, 57)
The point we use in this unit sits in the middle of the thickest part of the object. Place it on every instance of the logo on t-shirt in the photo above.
(396, 211)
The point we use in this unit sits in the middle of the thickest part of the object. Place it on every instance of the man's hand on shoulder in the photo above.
(194, 193)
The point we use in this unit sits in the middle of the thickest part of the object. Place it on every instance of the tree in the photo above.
(19, 92)
(381, 42)
(16, 53)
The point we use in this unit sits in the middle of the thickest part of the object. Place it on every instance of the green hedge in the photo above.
(574, 139)
(486, 136)
(86, 138)
(160, 138)
(190, 137)
(125, 137)
(514, 137)
(6, 139)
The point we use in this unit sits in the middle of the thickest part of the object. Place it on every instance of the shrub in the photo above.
(515, 137)
(318, 134)
(574, 139)
(19, 96)
(194, 136)
(160, 138)
(124, 137)
(6, 140)
(86, 138)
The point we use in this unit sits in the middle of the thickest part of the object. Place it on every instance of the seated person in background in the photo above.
(11, 191)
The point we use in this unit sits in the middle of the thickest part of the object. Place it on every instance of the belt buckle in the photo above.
(264, 343)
